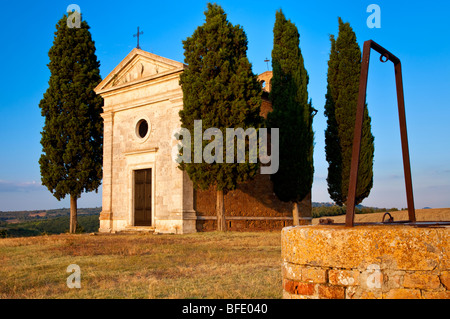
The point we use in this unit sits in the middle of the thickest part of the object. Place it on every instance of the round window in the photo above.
(142, 129)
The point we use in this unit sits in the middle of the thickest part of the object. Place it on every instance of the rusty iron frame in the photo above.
(385, 56)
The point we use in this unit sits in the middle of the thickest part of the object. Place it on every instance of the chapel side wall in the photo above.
(254, 198)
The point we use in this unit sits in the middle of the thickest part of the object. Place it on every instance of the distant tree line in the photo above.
(30, 215)
(89, 223)
(341, 210)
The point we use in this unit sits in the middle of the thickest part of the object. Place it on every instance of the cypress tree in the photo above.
(220, 89)
(344, 67)
(72, 136)
(293, 115)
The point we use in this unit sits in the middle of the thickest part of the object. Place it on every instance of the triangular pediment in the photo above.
(137, 66)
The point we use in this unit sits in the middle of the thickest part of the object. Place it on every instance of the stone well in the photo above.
(369, 261)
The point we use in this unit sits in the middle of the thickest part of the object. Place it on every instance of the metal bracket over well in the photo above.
(385, 56)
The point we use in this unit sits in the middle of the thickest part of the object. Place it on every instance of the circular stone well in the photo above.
(369, 261)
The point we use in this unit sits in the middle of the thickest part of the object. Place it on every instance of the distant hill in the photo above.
(50, 226)
(12, 217)
(56, 221)
(41, 222)
(330, 209)
(21, 216)
(429, 214)
(331, 204)
(323, 204)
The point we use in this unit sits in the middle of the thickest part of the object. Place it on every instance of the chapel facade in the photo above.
(142, 185)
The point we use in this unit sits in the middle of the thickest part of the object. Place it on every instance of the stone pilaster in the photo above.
(106, 216)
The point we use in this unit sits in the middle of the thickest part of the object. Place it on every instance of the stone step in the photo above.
(137, 229)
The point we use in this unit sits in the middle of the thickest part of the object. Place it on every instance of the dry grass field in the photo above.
(432, 214)
(235, 265)
(204, 265)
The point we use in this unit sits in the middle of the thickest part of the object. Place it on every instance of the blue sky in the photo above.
(416, 31)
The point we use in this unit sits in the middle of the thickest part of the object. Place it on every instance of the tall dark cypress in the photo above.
(220, 89)
(293, 115)
(72, 138)
(344, 67)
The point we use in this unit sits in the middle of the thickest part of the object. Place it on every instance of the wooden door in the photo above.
(143, 197)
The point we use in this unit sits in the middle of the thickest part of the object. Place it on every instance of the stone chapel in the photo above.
(142, 187)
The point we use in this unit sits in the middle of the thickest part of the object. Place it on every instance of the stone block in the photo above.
(445, 279)
(436, 294)
(445, 250)
(298, 288)
(343, 277)
(421, 280)
(356, 292)
(372, 278)
(287, 295)
(393, 279)
(292, 271)
(331, 292)
(314, 275)
(403, 293)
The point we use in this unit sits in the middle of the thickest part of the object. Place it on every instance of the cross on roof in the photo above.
(137, 35)
(267, 61)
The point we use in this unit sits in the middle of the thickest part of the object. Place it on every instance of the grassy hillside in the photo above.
(34, 223)
(32, 215)
(203, 265)
(58, 225)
